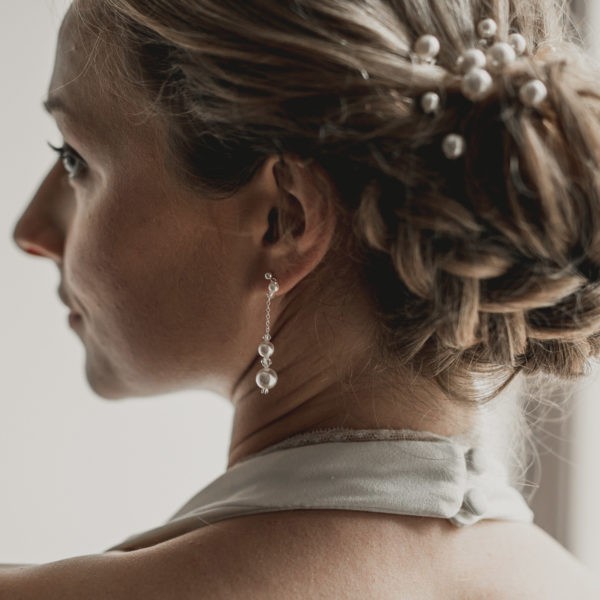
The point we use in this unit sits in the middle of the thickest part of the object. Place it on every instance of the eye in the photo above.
(72, 162)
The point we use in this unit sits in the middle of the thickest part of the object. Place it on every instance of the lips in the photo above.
(65, 301)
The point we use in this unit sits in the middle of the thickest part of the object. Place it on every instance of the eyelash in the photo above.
(65, 151)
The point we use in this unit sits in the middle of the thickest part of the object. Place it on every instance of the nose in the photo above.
(42, 228)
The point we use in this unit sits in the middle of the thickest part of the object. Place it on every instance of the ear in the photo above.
(298, 237)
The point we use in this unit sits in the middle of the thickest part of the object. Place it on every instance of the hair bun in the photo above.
(502, 250)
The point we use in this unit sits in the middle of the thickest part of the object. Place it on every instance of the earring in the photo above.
(266, 378)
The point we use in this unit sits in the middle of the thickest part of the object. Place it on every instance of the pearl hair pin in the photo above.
(430, 102)
(500, 55)
(477, 67)
(476, 83)
(533, 93)
(518, 43)
(453, 145)
(426, 49)
(473, 58)
(487, 28)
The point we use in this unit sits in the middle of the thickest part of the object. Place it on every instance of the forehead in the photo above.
(85, 86)
(71, 82)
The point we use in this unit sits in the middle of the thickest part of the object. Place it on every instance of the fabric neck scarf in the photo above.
(401, 472)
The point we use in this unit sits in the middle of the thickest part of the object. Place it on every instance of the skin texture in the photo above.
(170, 285)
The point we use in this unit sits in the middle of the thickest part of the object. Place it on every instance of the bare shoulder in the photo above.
(512, 560)
(298, 554)
(290, 554)
(320, 554)
(351, 555)
(239, 558)
(147, 574)
(354, 554)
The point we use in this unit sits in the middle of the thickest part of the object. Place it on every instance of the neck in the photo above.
(328, 378)
(281, 415)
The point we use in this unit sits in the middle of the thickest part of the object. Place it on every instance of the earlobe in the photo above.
(307, 220)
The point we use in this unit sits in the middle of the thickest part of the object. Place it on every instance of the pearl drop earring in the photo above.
(266, 378)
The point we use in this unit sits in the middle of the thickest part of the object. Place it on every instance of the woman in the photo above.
(396, 202)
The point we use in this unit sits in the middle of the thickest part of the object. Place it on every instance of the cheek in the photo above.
(154, 279)
(100, 255)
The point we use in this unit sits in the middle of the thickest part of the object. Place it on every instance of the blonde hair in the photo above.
(481, 268)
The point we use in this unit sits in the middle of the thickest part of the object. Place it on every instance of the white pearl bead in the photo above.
(453, 146)
(427, 46)
(476, 83)
(472, 59)
(518, 43)
(266, 379)
(430, 102)
(487, 28)
(266, 349)
(500, 55)
(533, 93)
(273, 287)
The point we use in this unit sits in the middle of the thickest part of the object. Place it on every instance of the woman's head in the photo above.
(477, 269)
(167, 281)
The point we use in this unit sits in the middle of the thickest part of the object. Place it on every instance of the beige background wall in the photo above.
(77, 473)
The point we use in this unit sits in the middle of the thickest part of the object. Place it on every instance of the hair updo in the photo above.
(482, 267)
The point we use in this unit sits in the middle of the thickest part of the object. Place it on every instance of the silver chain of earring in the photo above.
(266, 378)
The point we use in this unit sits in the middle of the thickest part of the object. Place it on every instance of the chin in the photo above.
(106, 385)
(108, 392)
(110, 386)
